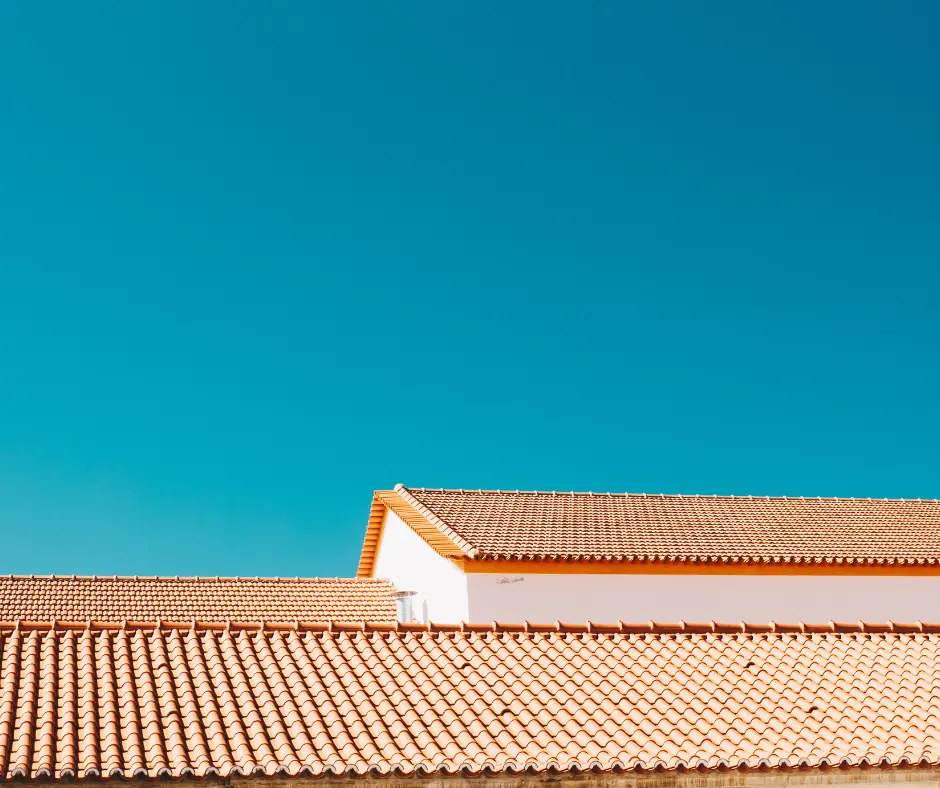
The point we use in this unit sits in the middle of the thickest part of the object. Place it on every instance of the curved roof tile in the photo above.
(178, 700)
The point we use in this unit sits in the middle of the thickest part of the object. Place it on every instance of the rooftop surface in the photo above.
(72, 598)
(160, 700)
(625, 527)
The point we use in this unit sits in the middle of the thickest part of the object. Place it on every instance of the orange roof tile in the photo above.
(616, 527)
(46, 598)
(147, 700)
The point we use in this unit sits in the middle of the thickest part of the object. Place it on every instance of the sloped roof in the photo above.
(679, 529)
(178, 700)
(45, 598)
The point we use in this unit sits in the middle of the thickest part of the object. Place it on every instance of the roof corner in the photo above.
(431, 528)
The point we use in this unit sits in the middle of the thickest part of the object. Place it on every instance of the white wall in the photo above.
(413, 565)
(699, 598)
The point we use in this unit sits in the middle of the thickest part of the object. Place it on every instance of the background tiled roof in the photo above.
(201, 598)
(201, 701)
(548, 525)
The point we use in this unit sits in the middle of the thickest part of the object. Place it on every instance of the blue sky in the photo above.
(259, 259)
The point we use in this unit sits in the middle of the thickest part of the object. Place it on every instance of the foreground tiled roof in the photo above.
(187, 598)
(495, 524)
(180, 700)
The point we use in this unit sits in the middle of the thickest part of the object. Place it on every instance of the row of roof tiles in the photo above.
(158, 702)
(186, 578)
(588, 628)
(574, 493)
(183, 599)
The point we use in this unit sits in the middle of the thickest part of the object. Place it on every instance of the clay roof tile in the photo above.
(486, 525)
(72, 598)
(178, 699)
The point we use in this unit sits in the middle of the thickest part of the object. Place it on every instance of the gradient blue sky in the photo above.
(258, 259)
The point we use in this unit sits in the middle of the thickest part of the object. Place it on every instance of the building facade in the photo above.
(482, 556)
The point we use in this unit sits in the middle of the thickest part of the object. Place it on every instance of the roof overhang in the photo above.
(523, 776)
(419, 518)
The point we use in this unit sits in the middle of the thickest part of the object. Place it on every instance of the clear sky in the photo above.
(259, 259)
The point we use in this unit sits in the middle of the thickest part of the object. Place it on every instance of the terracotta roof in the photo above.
(178, 700)
(187, 598)
(624, 527)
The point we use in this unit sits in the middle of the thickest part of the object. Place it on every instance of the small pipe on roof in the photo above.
(405, 613)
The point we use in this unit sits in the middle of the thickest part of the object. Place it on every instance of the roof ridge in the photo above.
(530, 628)
(199, 578)
(734, 497)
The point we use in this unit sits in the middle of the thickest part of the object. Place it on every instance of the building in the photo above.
(612, 705)
(275, 682)
(483, 556)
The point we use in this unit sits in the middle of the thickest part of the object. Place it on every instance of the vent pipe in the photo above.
(403, 602)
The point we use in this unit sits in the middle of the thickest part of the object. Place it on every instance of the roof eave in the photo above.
(434, 531)
(693, 565)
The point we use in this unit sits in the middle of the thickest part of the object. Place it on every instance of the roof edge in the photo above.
(715, 564)
(198, 578)
(371, 539)
(700, 773)
(468, 550)
(495, 627)
(431, 528)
